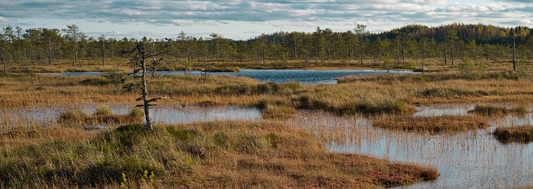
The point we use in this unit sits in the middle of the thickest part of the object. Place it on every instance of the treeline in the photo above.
(42, 46)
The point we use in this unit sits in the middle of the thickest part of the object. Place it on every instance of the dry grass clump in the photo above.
(225, 69)
(273, 111)
(102, 115)
(487, 109)
(209, 103)
(433, 124)
(434, 77)
(373, 108)
(349, 108)
(441, 92)
(103, 111)
(136, 112)
(522, 134)
(230, 154)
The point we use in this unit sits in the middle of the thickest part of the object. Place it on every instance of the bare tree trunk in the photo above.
(350, 50)
(229, 55)
(423, 57)
(452, 53)
(403, 51)
(5, 65)
(380, 59)
(445, 57)
(49, 57)
(361, 42)
(205, 66)
(264, 54)
(514, 53)
(145, 91)
(316, 54)
(103, 53)
(74, 61)
(295, 57)
(217, 49)
(398, 52)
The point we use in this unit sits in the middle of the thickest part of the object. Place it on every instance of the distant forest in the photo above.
(42, 46)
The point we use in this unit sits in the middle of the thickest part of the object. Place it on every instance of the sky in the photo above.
(245, 19)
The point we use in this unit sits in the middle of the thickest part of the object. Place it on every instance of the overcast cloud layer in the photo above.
(242, 19)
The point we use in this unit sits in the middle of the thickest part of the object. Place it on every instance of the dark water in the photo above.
(473, 159)
(277, 76)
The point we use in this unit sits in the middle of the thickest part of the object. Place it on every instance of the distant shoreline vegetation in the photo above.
(402, 48)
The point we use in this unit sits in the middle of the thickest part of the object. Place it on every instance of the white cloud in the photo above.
(4, 20)
(265, 15)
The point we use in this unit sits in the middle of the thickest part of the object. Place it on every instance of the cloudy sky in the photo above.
(243, 19)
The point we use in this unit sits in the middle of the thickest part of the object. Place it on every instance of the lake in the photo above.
(277, 76)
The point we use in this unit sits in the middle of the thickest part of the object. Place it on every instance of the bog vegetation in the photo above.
(490, 67)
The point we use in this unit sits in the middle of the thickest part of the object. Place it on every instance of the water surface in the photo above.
(473, 159)
(277, 76)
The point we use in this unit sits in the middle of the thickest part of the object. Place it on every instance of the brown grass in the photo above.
(230, 154)
(273, 111)
(522, 134)
(77, 116)
(435, 125)
(30, 90)
(487, 109)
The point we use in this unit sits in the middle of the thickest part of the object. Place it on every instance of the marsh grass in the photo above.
(273, 111)
(231, 154)
(342, 109)
(432, 124)
(29, 90)
(101, 115)
(375, 108)
(521, 134)
(436, 77)
(450, 93)
(487, 109)
(103, 111)
(136, 112)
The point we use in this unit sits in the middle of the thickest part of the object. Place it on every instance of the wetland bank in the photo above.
(269, 121)
(326, 135)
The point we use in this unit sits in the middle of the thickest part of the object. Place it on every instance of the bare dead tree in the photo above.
(139, 57)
